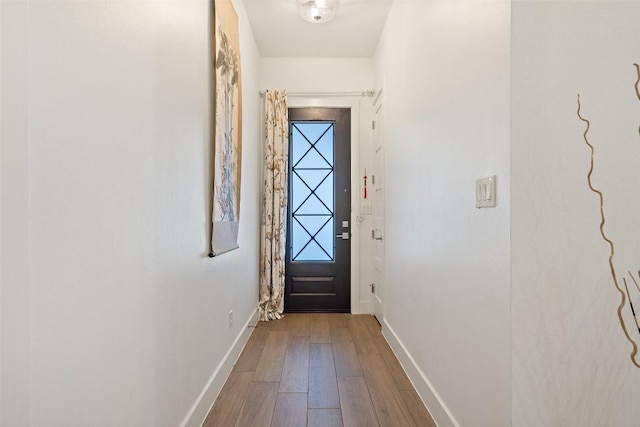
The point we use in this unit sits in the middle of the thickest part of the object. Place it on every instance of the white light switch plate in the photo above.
(486, 192)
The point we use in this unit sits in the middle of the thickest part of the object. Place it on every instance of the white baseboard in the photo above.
(204, 402)
(430, 397)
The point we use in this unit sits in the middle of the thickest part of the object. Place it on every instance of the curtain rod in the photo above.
(368, 93)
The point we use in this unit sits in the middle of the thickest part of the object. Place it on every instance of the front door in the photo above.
(318, 267)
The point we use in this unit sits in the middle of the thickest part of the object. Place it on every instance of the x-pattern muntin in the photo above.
(313, 191)
(313, 237)
(313, 146)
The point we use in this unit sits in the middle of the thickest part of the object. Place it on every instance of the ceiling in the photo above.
(354, 32)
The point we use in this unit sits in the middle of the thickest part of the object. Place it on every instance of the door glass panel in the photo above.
(312, 191)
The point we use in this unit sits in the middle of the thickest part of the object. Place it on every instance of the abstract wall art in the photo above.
(628, 288)
(227, 128)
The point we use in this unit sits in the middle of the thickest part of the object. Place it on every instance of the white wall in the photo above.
(14, 214)
(331, 75)
(128, 317)
(316, 74)
(571, 364)
(444, 70)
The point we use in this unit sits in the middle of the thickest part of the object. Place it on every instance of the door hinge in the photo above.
(373, 288)
(373, 124)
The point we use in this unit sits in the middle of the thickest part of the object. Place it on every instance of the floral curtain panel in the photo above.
(274, 215)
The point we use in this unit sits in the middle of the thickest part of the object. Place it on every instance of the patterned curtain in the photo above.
(274, 216)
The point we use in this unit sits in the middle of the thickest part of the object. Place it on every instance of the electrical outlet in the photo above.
(230, 319)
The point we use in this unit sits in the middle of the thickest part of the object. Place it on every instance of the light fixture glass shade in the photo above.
(317, 11)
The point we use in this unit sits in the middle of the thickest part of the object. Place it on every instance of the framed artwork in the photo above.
(227, 128)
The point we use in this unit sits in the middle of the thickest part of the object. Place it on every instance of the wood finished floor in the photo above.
(320, 370)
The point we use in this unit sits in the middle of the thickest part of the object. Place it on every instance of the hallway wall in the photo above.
(125, 317)
(444, 70)
(571, 360)
(316, 74)
(14, 215)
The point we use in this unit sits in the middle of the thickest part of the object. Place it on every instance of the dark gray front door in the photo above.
(318, 268)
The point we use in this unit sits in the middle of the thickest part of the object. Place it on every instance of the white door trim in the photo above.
(379, 297)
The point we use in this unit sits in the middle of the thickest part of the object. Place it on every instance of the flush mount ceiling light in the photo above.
(317, 11)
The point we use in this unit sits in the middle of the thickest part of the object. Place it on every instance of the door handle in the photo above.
(344, 235)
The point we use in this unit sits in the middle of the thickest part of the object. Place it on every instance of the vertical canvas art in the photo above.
(227, 129)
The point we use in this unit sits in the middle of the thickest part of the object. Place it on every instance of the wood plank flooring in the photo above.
(318, 370)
